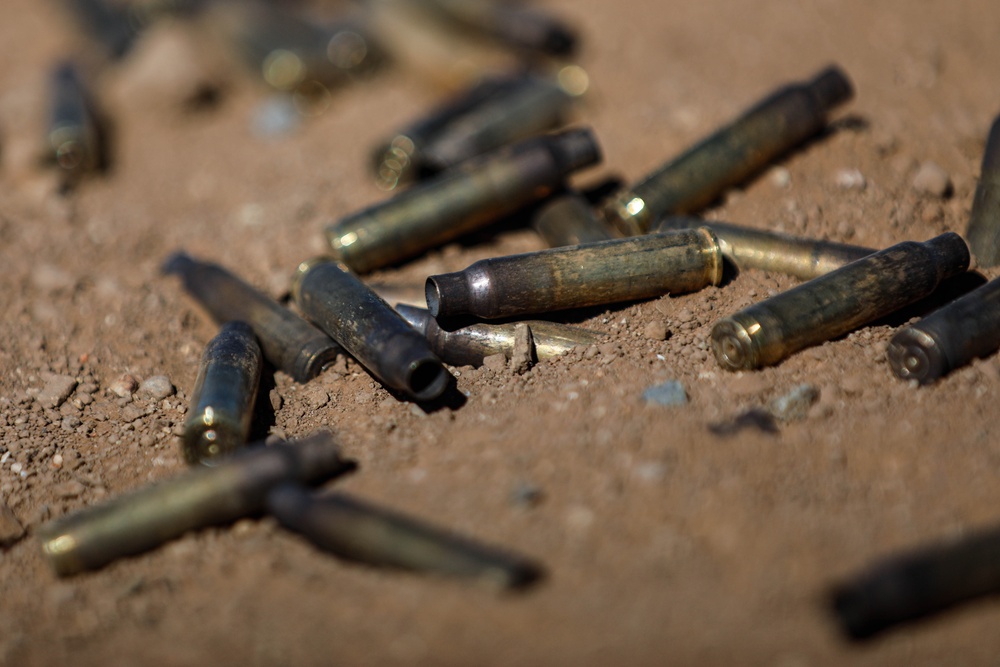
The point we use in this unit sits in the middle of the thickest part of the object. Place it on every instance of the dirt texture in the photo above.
(671, 534)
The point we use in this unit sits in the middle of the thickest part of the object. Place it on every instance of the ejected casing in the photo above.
(949, 338)
(148, 517)
(512, 23)
(731, 155)
(773, 251)
(984, 224)
(73, 132)
(372, 332)
(569, 219)
(918, 584)
(460, 200)
(289, 342)
(578, 276)
(469, 345)
(836, 303)
(375, 536)
(218, 420)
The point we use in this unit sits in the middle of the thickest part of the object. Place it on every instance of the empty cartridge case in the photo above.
(73, 132)
(568, 219)
(948, 338)
(460, 200)
(411, 294)
(984, 223)
(513, 24)
(218, 420)
(773, 251)
(776, 125)
(146, 518)
(833, 304)
(469, 345)
(917, 584)
(364, 533)
(372, 332)
(289, 342)
(578, 276)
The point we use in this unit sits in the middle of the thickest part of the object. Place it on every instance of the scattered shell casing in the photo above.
(984, 223)
(513, 24)
(74, 137)
(569, 219)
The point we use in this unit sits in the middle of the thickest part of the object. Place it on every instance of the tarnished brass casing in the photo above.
(569, 219)
(73, 132)
(984, 223)
(514, 24)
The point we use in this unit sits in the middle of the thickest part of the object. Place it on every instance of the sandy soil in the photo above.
(664, 542)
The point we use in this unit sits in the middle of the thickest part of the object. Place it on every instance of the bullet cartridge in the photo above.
(836, 303)
(289, 342)
(202, 497)
(918, 584)
(984, 223)
(568, 219)
(579, 276)
(73, 131)
(460, 200)
(948, 338)
(218, 420)
(410, 294)
(772, 251)
(364, 533)
(513, 24)
(777, 124)
(469, 345)
(372, 332)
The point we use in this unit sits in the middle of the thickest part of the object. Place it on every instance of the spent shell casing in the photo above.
(469, 345)
(289, 342)
(592, 274)
(373, 333)
(918, 584)
(984, 223)
(460, 200)
(410, 294)
(948, 338)
(513, 24)
(372, 535)
(773, 127)
(569, 219)
(73, 131)
(794, 256)
(202, 497)
(836, 303)
(218, 420)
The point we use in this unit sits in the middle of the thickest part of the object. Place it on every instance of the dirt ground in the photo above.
(664, 542)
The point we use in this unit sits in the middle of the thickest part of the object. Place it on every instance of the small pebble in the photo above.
(523, 356)
(526, 495)
(124, 386)
(850, 179)
(157, 387)
(931, 179)
(780, 177)
(656, 330)
(276, 400)
(56, 390)
(670, 393)
(794, 405)
(495, 362)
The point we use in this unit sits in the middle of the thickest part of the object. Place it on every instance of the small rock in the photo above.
(124, 386)
(56, 390)
(685, 316)
(495, 362)
(656, 330)
(69, 423)
(850, 179)
(70, 489)
(670, 393)
(157, 387)
(49, 278)
(780, 177)
(794, 405)
(276, 400)
(526, 495)
(132, 413)
(11, 529)
(523, 356)
(608, 349)
(320, 397)
(931, 179)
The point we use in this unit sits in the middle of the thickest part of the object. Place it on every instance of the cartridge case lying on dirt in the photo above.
(984, 223)
(372, 332)
(569, 219)
(146, 518)
(948, 338)
(774, 126)
(836, 303)
(460, 200)
(513, 24)
(469, 345)
(74, 137)
(289, 342)
(375, 536)
(218, 419)
(794, 256)
(578, 276)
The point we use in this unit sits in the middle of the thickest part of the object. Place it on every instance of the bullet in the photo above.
(918, 584)
(460, 200)
(774, 126)
(202, 497)
(836, 303)
(469, 345)
(569, 219)
(372, 332)
(579, 276)
(512, 24)
(948, 338)
(364, 533)
(218, 420)
(984, 223)
(288, 342)
(794, 256)
(73, 132)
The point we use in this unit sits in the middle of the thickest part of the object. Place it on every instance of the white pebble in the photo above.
(932, 179)
(851, 179)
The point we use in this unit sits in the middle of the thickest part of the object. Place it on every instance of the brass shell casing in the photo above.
(73, 133)
(569, 219)
(984, 223)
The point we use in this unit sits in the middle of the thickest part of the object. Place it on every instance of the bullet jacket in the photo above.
(773, 127)
(984, 223)
(372, 332)
(836, 303)
(289, 342)
(579, 276)
(74, 136)
(568, 219)
(146, 518)
(460, 200)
